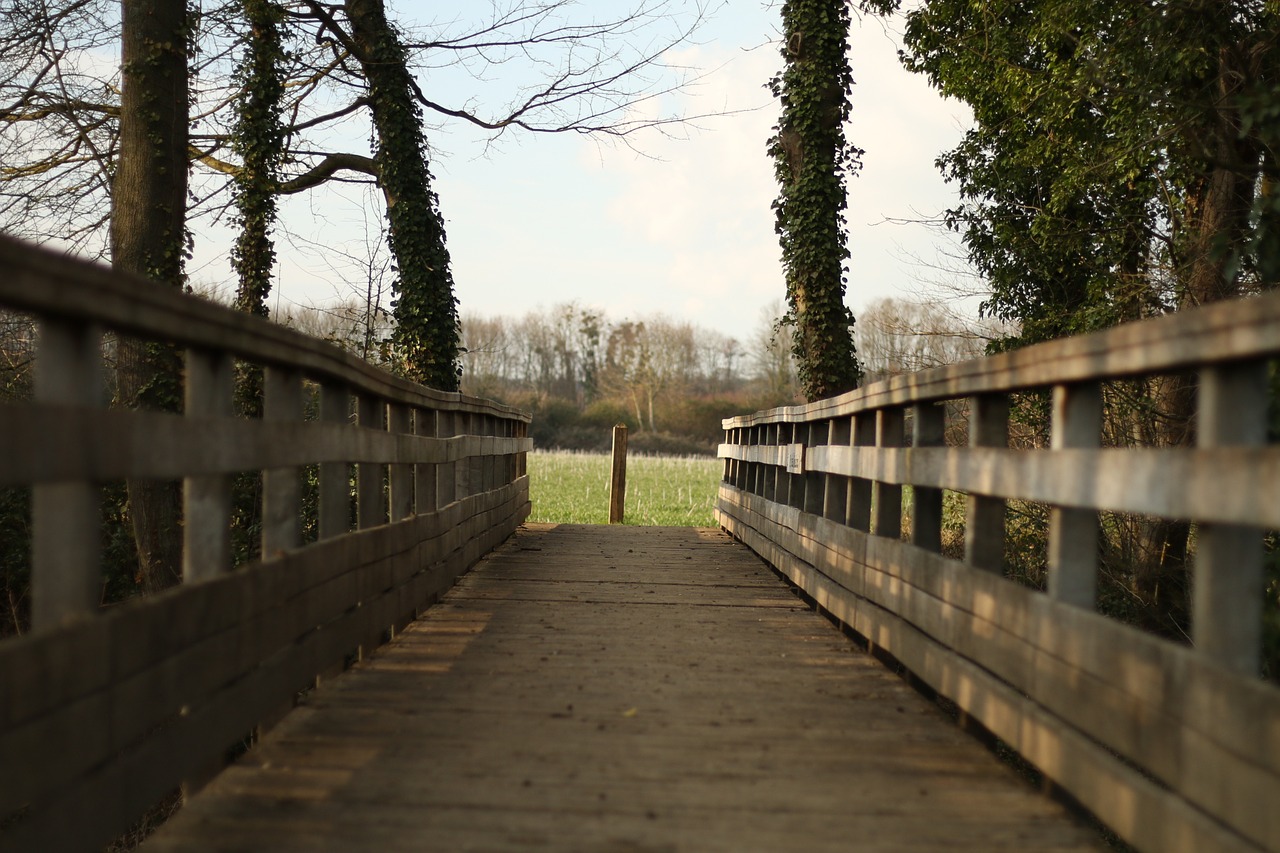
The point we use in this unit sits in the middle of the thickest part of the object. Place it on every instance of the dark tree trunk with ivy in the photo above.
(148, 215)
(427, 335)
(812, 159)
(258, 138)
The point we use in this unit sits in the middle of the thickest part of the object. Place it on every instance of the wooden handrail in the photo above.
(1173, 747)
(103, 712)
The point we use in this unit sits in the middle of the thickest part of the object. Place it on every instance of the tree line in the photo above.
(673, 381)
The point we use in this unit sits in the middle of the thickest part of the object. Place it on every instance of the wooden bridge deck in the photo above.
(619, 689)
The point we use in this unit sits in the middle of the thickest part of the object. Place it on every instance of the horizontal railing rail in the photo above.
(1176, 747)
(104, 711)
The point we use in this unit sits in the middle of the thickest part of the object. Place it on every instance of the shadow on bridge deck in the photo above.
(619, 689)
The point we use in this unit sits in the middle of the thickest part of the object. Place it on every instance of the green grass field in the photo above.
(573, 488)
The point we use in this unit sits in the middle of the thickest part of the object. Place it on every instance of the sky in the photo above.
(684, 226)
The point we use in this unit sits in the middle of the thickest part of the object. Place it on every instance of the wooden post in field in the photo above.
(618, 481)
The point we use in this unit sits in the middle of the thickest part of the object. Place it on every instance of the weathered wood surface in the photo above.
(1233, 330)
(1068, 689)
(624, 689)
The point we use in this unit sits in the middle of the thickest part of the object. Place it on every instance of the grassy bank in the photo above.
(670, 491)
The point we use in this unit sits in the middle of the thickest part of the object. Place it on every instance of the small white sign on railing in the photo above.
(795, 458)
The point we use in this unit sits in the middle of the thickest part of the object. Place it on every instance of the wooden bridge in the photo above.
(431, 674)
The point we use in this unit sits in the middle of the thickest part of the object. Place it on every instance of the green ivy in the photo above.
(427, 333)
(811, 161)
(258, 138)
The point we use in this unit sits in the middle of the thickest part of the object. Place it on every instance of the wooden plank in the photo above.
(1164, 482)
(106, 445)
(480, 717)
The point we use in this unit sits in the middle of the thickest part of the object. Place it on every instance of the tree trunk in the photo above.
(427, 331)
(148, 214)
(811, 161)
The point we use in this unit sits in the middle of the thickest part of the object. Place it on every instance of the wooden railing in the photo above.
(103, 712)
(1175, 747)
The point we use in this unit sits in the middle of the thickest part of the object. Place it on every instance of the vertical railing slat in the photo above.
(400, 478)
(424, 473)
(335, 476)
(835, 500)
(984, 515)
(814, 434)
(65, 560)
(1073, 533)
(928, 429)
(860, 488)
(1226, 616)
(281, 487)
(370, 507)
(206, 498)
(887, 497)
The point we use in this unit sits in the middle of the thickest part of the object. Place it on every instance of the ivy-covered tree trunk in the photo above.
(148, 214)
(812, 159)
(259, 139)
(427, 332)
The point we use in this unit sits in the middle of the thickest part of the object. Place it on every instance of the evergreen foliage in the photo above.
(1122, 154)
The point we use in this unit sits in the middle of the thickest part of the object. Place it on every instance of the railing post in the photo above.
(928, 429)
(890, 432)
(984, 515)
(370, 508)
(66, 517)
(1226, 615)
(447, 487)
(771, 474)
(424, 473)
(1073, 533)
(522, 458)
(815, 483)
(206, 498)
(788, 487)
(860, 488)
(335, 477)
(463, 429)
(281, 487)
(618, 475)
(835, 499)
(400, 478)
(759, 471)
